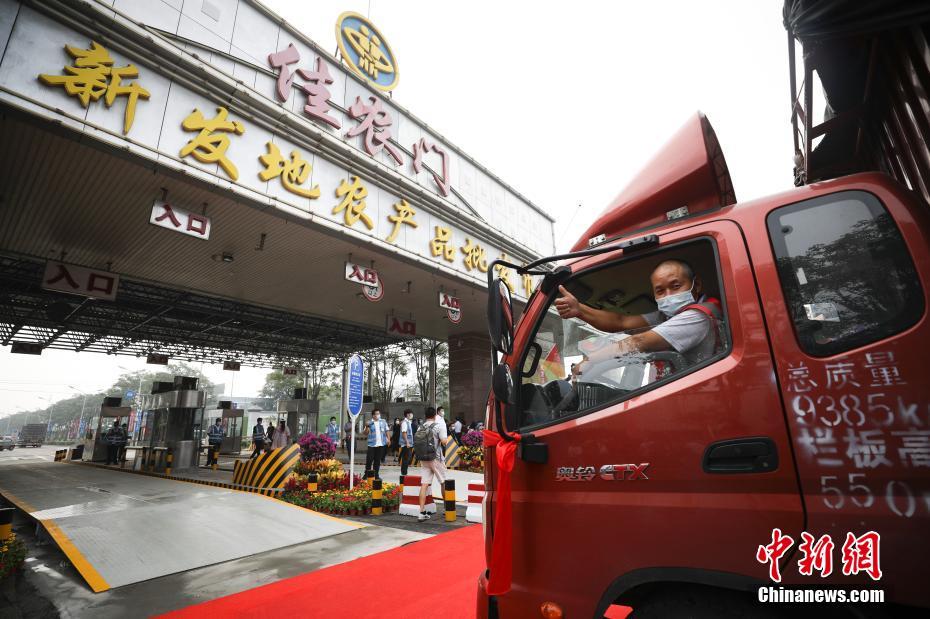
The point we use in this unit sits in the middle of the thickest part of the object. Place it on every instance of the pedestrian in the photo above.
(215, 439)
(112, 438)
(332, 431)
(428, 443)
(269, 435)
(346, 434)
(377, 432)
(395, 438)
(258, 439)
(406, 441)
(457, 429)
(282, 436)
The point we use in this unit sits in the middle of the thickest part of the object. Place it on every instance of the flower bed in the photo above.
(472, 451)
(12, 555)
(342, 500)
(316, 447)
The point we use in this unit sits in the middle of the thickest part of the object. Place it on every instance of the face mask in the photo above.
(671, 304)
(376, 417)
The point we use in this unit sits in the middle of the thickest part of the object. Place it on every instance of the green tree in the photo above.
(280, 387)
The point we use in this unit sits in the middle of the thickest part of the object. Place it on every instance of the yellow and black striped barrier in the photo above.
(169, 461)
(6, 522)
(453, 459)
(269, 470)
(311, 483)
(448, 499)
(61, 455)
(376, 494)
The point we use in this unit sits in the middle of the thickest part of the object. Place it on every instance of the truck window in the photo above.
(845, 271)
(578, 368)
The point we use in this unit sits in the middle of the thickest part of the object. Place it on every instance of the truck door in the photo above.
(846, 309)
(666, 466)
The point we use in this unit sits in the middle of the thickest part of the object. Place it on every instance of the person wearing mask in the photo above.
(686, 322)
(405, 438)
(282, 436)
(258, 439)
(435, 468)
(332, 431)
(377, 432)
(215, 440)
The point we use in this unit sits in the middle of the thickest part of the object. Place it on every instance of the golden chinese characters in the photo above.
(353, 202)
(404, 215)
(208, 147)
(293, 173)
(93, 76)
(474, 257)
(441, 244)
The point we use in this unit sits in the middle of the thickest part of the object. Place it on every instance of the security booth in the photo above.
(300, 413)
(231, 419)
(174, 422)
(95, 444)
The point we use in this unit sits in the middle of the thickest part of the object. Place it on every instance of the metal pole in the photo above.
(432, 375)
(81, 420)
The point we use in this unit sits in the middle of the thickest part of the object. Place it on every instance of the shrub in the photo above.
(12, 555)
(316, 447)
(473, 438)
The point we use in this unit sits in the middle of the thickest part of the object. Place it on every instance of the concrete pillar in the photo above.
(469, 376)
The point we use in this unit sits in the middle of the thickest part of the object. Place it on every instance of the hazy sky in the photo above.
(564, 104)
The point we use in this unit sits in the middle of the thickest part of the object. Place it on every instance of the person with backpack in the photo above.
(428, 442)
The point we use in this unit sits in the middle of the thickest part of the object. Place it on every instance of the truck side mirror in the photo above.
(502, 384)
(500, 317)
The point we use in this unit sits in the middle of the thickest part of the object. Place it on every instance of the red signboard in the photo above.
(400, 327)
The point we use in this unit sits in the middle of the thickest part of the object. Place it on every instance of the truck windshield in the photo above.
(620, 343)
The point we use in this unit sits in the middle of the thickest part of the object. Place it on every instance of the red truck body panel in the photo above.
(572, 542)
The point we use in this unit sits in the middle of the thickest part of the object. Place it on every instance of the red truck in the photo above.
(672, 479)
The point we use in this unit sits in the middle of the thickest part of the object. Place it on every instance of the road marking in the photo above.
(81, 564)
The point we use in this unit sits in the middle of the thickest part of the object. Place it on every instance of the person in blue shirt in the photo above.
(332, 431)
(378, 440)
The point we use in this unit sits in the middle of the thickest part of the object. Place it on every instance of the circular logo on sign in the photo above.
(365, 51)
(373, 293)
(455, 316)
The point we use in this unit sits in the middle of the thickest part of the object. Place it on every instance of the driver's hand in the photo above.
(567, 305)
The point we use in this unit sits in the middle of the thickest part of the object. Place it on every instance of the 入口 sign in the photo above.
(157, 359)
(452, 305)
(173, 218)
(401, 327)
(82, 281)
(289, 371)
(232, 366)
(362, 275)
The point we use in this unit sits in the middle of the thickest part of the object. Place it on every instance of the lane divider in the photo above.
(474, 513)
(410, 501)
(448, 499)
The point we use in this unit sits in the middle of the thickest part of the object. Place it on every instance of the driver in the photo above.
(686, 321)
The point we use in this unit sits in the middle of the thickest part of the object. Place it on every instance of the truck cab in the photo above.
(651, 476)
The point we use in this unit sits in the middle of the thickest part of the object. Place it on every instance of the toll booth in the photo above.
(300, 413)
(95, 446)
(232, 420)
(174, 420)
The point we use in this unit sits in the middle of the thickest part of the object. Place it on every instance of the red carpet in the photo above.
(450, 563)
